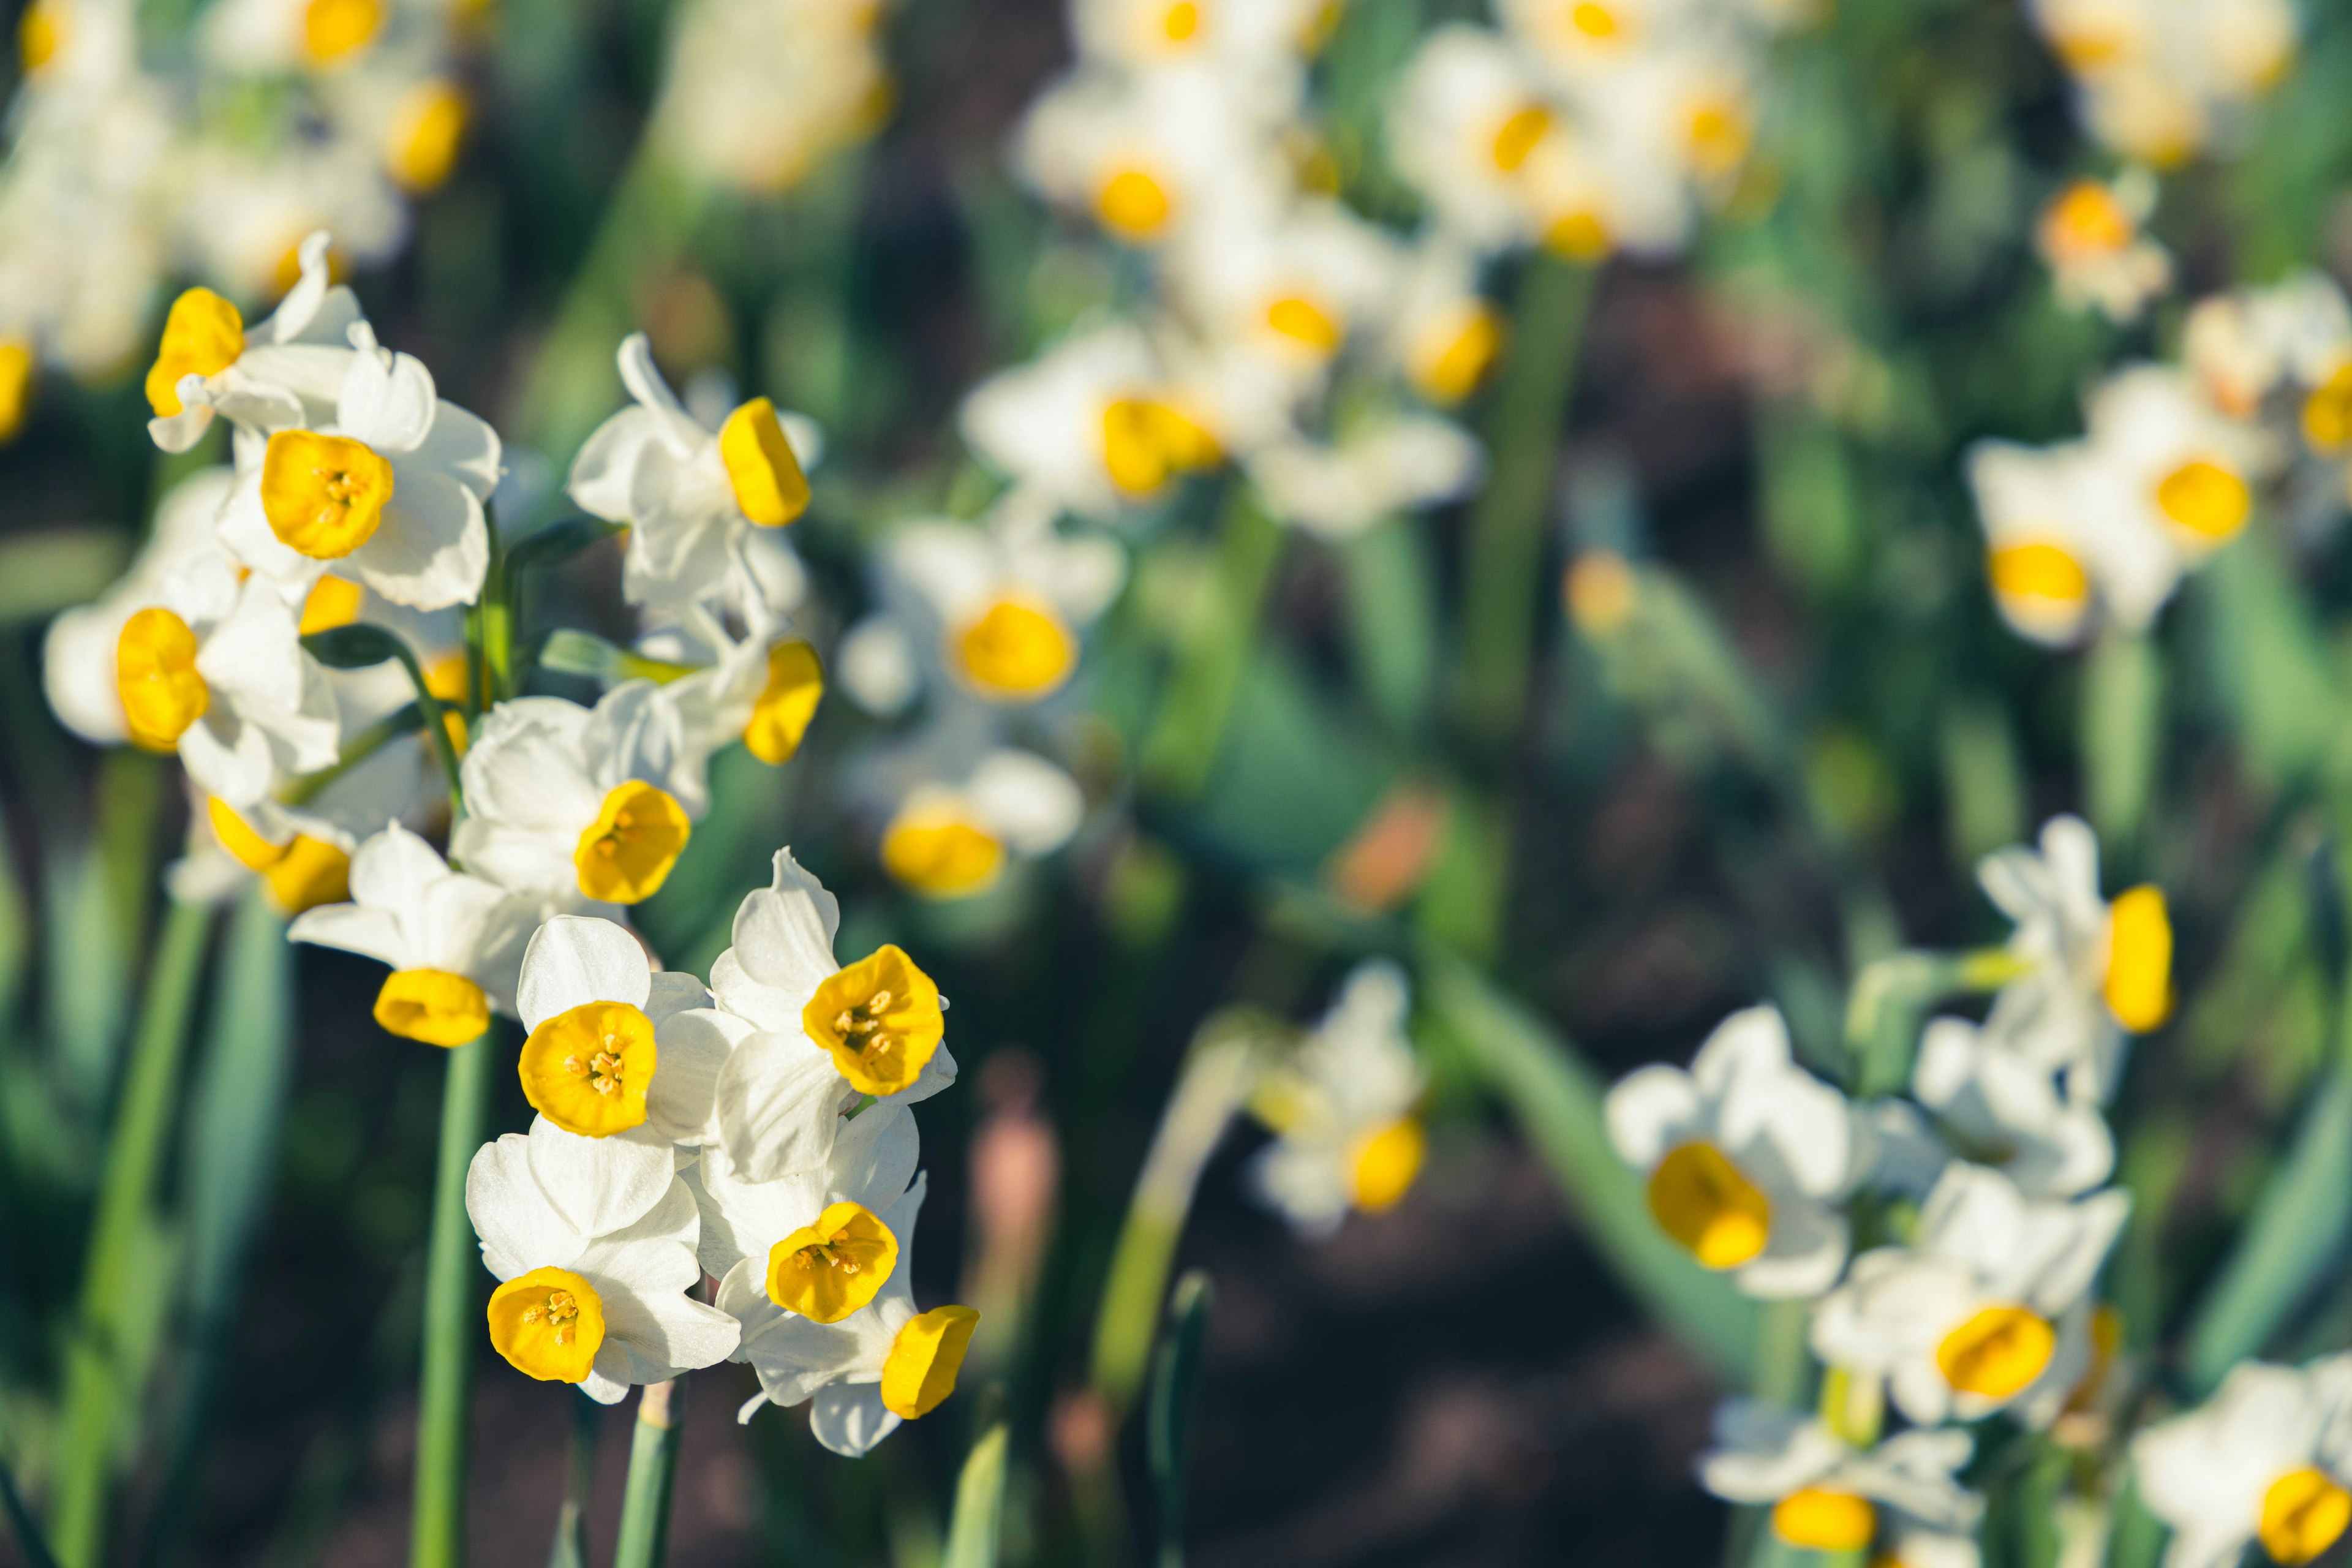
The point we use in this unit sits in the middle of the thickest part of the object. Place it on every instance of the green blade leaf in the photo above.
(560, 542)
(355, 647)
(972, 1533)
(1175, 1396)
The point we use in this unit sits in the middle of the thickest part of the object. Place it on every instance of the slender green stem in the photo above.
(97, 1394)
(500, 594)
(1187, 731)
(2123, 699)
(571, 1548)
(452, 1318)
(644, 1540)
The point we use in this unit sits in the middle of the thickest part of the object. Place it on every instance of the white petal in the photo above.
(1649, 1111)
(371, 933)
(600, 1184)
(433, 546)
(520, 1229)
(779, 1104)
(691, 1048)
(849, 1418)
(573, 960)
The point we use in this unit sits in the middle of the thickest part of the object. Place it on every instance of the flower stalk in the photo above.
(452, 1318)
(644, 1540)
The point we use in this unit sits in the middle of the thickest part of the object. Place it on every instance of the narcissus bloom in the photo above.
(814, 1239)
(2099, 257)
(2268, 1458)
(2191, 467)
(1988, 1310)
(1387, 465)
(2066, 546)
(965, 816)
(1341, 1108)
(1004, 605)
(2001, 1107)
(614, 1044)
(288, 370)
(1747, 1156)
(1826, 1494)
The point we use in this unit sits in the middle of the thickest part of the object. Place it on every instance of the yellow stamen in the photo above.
(2138, 984)
(332, 603)
(936, 851)
(2208, 500)
(426, 130)
(433, 1007)
(921, 1368)
(2327, 413)
(2038, 572)
(1303, 321)
(786, 704)
(548, 1323)
(155, 676)
(1825, 1521)
(1385, 1164)
(1017, 650)
(760, 466)
(40, 34)
(881, 1019)
(1133, 205)
(1451, 356)
(332, 29)
(625, 854)
(827, 1270)
(1997, 1352)
(2304, 1511)
(15, 386)
(323, 495)
(1701, 1199)
(1518, 136)
(1595, 21)
(203, 335)
(587, 1069)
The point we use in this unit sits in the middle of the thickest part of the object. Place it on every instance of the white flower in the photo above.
(594, 1243)
(2268, 1458)
(871, 1161)
(2099, 257)
(1444, 335)
(758, 92)
(455, 942)
(2178, 457)
(1747, 1156)
(1286, 284)
(1990, 1306)
(967, 811)
(1144, 156)
(1827, 1495)
(1467, 116)
(689, 494)
(2242, 344)
(1999, 1107)
(2065, 541)
(285, 371)
(1341, 1109)
(881, 1364)
(1389, 464)
(1004, 605)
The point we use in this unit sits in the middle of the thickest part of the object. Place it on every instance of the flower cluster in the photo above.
(1948, 1243)
(757, 92)
(2161, 80)
(1342, 1109)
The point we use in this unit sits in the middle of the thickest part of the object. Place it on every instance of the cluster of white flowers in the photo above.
(277, 118)
(2162, 80)
(757, 92)
(1979, 1203)
(1342, 1109)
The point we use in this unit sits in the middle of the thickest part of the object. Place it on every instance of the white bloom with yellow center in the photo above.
(1467, 116)
(880, 1365)
(1988, 1308)
(1747, 1157)
(812, 1240)
(243, 208)
(2161, 80)
(2244, 344)
(1289, 286)
(1341, 1108)
(689, 494)
(2268, 1458)
(2091, 237)
(1999, 1107)
(288, 370)
(969, 812)
(455, 942)
(569, 803)
(260, 36)
(1144, 156)
(1444, 336)
(1004, 606)
(1383, 466)
(1151, 35)
(594, 1243)
(2066, 544)
(1826, 1494)
(2191, 467)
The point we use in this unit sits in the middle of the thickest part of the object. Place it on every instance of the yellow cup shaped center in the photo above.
(1454, 355)
(332, 29)
(2205, 498)
(15, 386)
(432, 1005)
(1717, 134)
(920, 1370)
(323, 495)
(880, 1018)
(238, 837)
(203, 335)
(769, 485)
(1178, 22)
(1824, 1520)
(548, 1323)
(300, 874)
(1015, 650)
(786, 704)
(2040, 574)
(40, 34)
(2085, 223)
(426, 128)
(1518, 135)
(1384, 1164)
(626, 853)
(155, 676)
(1305, 323)
(587, 1069)
(827, 1270)
(2303, 1513)
(1702, 1200)
(941, 854)
(1594, 20)
(1133, 204)
(1145, 442)
(1580, 234)
(2327, 412)
(1997, 1351)
(2138, 984)
(331, 603)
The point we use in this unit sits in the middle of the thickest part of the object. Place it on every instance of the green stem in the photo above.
(1215, 650)
(97, 1392)
(452, 1289)
(1502, 586)
(571, 1548)
(644, 1540)
(2123, 697)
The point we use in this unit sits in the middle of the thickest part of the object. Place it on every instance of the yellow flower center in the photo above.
(880, 1018)
(548, 1323)
(1305, 323)
(937, 851)
(2206, 499)
(1601, 592)
(2138, 984)
(334, 28)
(1016, 651)
(426, 130)
(921, 1368)
(1178, 23)
(447, 679)
(2086, 48)
(827, 1270)
(1384, 1165)
(40, 34)
(15, 386)
(2327, 412)
(1452, 355)
(626, 853)
(1997, 1352)
(1580, 236)
(1133, 205)
(432, 1005)
(767, 479)
(1825, 1521)
(2303, 1513)
(331, 603)
(2085, 223)
(587, 1069)
(786, 704)
(1594, 21)
(2038, 572)
(1518, 135)
(1146, 441)
(323, 495)
(302, 873)
(1699, 1197)
(203, 335)
(1717, 134)
(155, 676)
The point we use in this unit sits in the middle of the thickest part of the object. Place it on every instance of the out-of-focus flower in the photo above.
(2243, 346)
(2001, 1107)
(1003, 607)
(2176, 454)
(2268, 1458)
(2100, 257)
(2159, 81)
(2064, 546)
(1391, 464)
(1341, 1109)
(1469, 113)
(1144, 156)
(758, 92)
(955, 827)
(1826, 1494)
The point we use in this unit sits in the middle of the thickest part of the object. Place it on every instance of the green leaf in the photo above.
(560, 542)
(2269, 660)
(570, 652)
(358, 646)
(41, 574)
(979, 1518)
(1175, 1399)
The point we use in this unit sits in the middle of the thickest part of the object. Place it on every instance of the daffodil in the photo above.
(882, 1364)
(1747, 1157)
(2066, 547)
(1287, 283)
(1143, 157)
(2243, 346)
(758, 93)
(1999, 1106)
(1828, 1495)
(289, 371)
(592, 1241)
(1469, 114)
(2158, 80)
(2091, 237)
(765, 1226)
(1002, 606)
(248, 204)
(1989, 1308)
(2191, 466)
(1386, 465)
(2267, 1460)
(971, 809)
(1444, 335)
(1342, 1109)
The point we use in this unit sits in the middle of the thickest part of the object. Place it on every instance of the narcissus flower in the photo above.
(455, 942)
(2189, 464)
(2099, 257)
(1341, 1108)
(1470, 112)
(954, 830)
(814, 1237)
(2066, 545)
(1387, 465)
(1746, 1156)
(614, 1044)
(1988, 1310)
(290, 370)
(1004, 605)
(2001, 1107)
(1826, 1494)
(2268, 1458)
